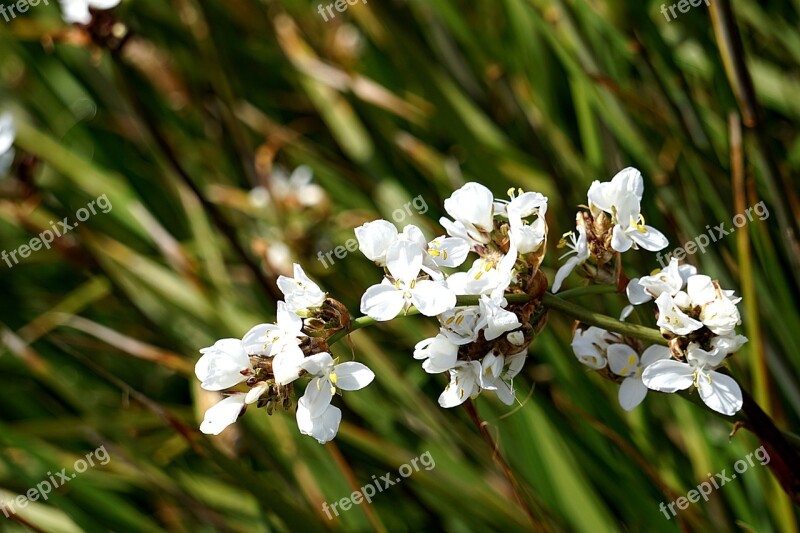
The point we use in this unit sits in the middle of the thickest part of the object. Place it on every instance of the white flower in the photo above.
(375, 238)
(670, 280)
(385, 301)
(590, 345)
(448, 252)
(625, 362)
(460, 325)
(77, 11)
(323, 427)
(490, 274)
(495, 320)
(279, 340)
(718, 311)
(297, 187)
(718, 391)
(439, 354)
(329, 376)
(579, 247)
(494, 379)
(7, 134)
(301, 293)
(672, 318)
(621, 198)
(464, 384)
(223, 365)
(472, 208)
(527, 238)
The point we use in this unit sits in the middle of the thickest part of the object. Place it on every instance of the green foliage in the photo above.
(387, 102)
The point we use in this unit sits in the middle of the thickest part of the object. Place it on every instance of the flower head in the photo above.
(621, 198)
(301, 293)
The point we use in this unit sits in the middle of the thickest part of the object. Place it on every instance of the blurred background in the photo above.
(235, 137)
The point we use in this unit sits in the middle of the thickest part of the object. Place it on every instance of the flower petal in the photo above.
(223, 414)
(432, 298)
(353, 376)
(622, 359)
(668, 376)
(374, 239)
(382, 302)
(620, 241)
(318, 395)
(631, 393)
(404, 261)
(286, 364)
(720, 392)
(323, 427)
(651, 239)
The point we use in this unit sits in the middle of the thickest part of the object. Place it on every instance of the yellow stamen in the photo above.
(459, 320)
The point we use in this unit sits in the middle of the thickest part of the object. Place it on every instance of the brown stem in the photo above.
(538, 525)
(784, 458)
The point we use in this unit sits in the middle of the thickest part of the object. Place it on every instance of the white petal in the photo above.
(221, 365)
(619, 240)
(256, 392)
(75, 11)
(353, 376)
(654, 353)
(622, 359)
(404, 261)
(382, 302)
(631, 393)
(317, 364)
(318, 396)
(103, 4)
(472, 205)
(636, 293)
(720, 392)
(651, 240)
(255, 341)
(701, 289)
(626, 312)
(286, 364)
(222, 415)
(7, 132)
(565, 271)
(374, 239)
(432, 298)
(324, 427)
(668, 376)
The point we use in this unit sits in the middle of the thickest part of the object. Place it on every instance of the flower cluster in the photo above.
(489, 311)
(612, 225)
(699, 322)
(261, 368)
(481, 346)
